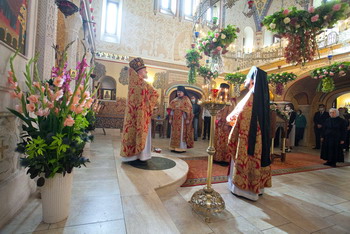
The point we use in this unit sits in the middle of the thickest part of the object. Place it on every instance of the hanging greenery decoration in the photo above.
(301, 27)
(328, 73)
(279, 80)
(192, 60)
(235, 78)
(207, 74)
(218, 41)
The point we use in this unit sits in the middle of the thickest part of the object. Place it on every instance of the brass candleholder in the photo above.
(207, 200)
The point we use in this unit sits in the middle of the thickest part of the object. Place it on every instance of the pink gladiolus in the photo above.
(219, 48)
(10, 80)
(88, 103)
(13, 85)
(311, 9)
(39, 112)
(57, 110)
(33, 98)
(46, 112)
(50, 105)
(314, 18)
(286, 12)
(19, 108)
(79, 109)
(13, 94)
(58, 95)
(76, 99)
(19, 95)
(69, 121)
(86, 94)
(58, 81)
(36, 85)
(72, 108)
(31, 107)
(336, 7)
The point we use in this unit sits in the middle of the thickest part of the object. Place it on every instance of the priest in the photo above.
(142, 98)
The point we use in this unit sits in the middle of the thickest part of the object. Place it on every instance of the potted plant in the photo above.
(54, 128)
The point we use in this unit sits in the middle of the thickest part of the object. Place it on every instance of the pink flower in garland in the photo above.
(314, 18)
(331, 74)
(311, 9)
(286, 12)
(336, 7)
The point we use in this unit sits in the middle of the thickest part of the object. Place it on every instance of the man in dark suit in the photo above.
(319, 119)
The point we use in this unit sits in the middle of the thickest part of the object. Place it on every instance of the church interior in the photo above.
(111, 196)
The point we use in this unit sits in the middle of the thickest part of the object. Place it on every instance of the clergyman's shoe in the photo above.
(327, 163)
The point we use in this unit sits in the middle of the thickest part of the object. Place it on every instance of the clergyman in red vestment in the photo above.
(142, 98)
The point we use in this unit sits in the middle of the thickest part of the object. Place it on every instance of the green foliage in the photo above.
(206, 73)
(281, 78)
(328, 73)
(218, 40)
(192, 60)
(235, 78)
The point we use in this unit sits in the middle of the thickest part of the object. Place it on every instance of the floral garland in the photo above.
(279, 80)
(301, 27)
(192, 61)
(217, 41)
(327, 74)
(235, 78)
(207, 74)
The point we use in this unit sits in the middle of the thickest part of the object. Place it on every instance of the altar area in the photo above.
(112, 197)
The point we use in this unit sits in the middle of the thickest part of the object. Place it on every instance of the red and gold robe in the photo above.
(222, 131)
(142, 98)
(180, 106)
(247, 172)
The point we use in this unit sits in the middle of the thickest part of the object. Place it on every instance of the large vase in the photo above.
(56, 194)
(216, 62)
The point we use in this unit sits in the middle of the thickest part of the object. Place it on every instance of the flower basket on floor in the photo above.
(54, 126)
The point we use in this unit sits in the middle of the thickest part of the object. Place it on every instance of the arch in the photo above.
(248, 39)
(108, 88)
(108, 82)
(302, 98)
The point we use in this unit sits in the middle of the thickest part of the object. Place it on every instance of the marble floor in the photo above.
(111, 197)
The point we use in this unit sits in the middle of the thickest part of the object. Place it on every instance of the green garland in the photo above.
(192, 60)
(218, 40)
(235, 78)
(327, 75)
(281, 78)
(207, 74)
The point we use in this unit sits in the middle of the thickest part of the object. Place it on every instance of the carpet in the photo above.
(295, 162)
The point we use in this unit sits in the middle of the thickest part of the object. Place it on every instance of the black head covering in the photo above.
(261, 115)
(182, 88)
(224, 86)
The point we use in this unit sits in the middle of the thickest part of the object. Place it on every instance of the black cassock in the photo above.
(333, 131)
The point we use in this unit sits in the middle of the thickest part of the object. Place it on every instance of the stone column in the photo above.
(308, 136)
(46, 37)
(73, 26)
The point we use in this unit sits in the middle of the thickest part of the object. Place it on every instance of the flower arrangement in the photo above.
(279, 80)
(207, 74)
(301, 27)
(218, 41)
(54, 116)
(235, 78)
(192, 60)
(328, 73)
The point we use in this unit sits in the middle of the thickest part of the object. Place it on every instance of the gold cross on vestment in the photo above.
(2, 148)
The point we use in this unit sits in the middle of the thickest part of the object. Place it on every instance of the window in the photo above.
(317, 3)
(168, 6)
(111, 20)
(189, 8)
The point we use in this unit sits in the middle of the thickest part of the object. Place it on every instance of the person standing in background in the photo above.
(289, 108)
(196, 111)
(319, 118)
(206, 117)
(300, 124)
(332, 138)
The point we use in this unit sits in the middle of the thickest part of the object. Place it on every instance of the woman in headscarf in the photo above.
(249, 140)
(222, 130)
(333, 138)
(180, 118)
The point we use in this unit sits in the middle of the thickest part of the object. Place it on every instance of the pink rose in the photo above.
(311, 9)
(331, 74)
(219, 48)
(286, 12)
(216, 35)
(314, 18)
(336, 7)
(31, 107)
(325, 72)
(69, 121)
(33, 98)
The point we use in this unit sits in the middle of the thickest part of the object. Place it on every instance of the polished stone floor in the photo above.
(111, 197)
